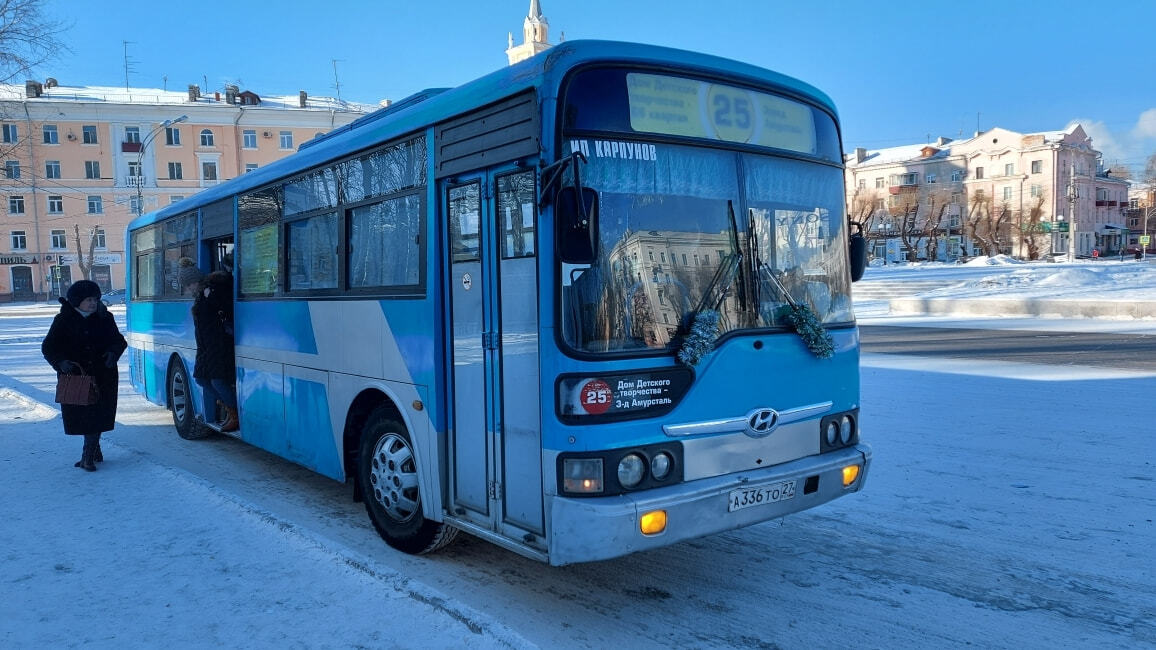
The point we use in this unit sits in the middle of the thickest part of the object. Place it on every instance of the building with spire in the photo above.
(535, 36)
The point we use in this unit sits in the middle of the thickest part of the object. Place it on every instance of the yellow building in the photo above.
(81, 162)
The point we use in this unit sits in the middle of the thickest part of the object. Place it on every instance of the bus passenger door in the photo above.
(496, 428)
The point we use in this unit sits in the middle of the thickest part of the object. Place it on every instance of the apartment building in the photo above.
(80, 162)
(1022, 194)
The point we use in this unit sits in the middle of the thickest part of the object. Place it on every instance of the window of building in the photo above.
(1009, 169)
(249, 139)
(51, 136)
(209, 171)
(206, 138)
(956, 176)
(250, 167)
(176, 171)
(11, 169)
(55, 204)
(135, 205)
(16, 204)
(286, 139)
(979, 172)
(98, 235)
(92, 169)
(59, 240)
(95, 205)
(1037, 166)
(19, 240)
(1035, 190)
(880, 183)
(173, 136)
(1134, 203)
(52, 169)
(862, 183)
(10, 135)
(175, 197)
(134, 169)
(88, 131)
(930, 178)
(132, 134)
(1007, 193)
(880, 204)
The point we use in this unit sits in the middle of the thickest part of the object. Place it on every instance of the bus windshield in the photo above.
(684, 229)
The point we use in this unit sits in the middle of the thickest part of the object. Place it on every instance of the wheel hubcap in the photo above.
(180, 397)
(393, 475)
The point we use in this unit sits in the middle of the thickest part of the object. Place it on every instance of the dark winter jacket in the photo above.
(213, 320)
(92, 342)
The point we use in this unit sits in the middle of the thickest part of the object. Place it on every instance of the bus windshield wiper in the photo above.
(702, 324)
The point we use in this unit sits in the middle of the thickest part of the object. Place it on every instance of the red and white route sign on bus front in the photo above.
(596, 397)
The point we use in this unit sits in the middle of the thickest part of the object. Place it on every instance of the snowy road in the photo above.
(1006, 508)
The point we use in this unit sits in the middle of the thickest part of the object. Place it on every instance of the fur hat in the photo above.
(187, 272)
(81, 290)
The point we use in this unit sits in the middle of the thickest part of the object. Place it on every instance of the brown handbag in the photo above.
(76, 390)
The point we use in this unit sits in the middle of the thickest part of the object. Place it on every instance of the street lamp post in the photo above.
(148, 139)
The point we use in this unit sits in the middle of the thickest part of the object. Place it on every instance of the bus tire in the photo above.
(181, 404)
(388, 476)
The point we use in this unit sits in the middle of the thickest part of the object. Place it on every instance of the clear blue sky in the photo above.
(899, 71)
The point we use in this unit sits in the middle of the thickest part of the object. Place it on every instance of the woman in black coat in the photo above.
(215, 368)
(84, 338)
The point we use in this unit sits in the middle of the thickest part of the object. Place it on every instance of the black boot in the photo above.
(96, 455)
(88, 456)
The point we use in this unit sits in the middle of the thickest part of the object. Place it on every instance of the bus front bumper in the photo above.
(589, 529)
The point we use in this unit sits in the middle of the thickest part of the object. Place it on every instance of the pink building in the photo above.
(81, 162)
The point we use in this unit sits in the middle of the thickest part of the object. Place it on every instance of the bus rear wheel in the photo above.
(181, 404)
(388, 476)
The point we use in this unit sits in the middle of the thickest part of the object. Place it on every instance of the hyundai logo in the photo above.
(761, 422)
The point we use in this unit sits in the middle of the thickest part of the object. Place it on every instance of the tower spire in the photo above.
(535, 35)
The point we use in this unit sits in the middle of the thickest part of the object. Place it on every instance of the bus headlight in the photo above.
(832, 432)
(582, 475)
(846, 428)
(630, 470)
(660, 465)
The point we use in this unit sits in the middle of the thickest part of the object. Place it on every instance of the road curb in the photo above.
(1056, 308)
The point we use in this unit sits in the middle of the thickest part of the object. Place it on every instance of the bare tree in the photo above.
(979, 222)
(28, 37)
(938, 200)
(85, 261)
(1031, 226)
(906, 211)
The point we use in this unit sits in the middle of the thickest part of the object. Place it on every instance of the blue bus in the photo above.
(594, 303)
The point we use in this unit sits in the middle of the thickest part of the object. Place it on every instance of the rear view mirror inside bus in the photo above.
(576, 214)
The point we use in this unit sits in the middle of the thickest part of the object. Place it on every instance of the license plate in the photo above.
(757, 496)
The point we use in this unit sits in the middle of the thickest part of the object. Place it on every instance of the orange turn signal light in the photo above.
(850, 473)
(653, 522)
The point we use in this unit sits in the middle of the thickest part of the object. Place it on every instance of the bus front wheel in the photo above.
(388, 476)
(181, 404)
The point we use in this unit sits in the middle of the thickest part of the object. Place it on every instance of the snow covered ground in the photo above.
(1009, 505)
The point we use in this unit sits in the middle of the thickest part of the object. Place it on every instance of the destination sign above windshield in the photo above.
(701, 109)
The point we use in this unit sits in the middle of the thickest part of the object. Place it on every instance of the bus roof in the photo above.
(434, 105)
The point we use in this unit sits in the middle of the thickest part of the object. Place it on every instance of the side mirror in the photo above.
(857, 246)
(576, 217)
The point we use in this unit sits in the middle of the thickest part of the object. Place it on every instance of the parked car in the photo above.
(113, 297)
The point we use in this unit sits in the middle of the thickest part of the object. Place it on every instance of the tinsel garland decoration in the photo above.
(811, 330)
(700, 341)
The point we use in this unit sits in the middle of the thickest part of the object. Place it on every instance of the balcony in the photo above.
(130, 147)
(134, 181)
